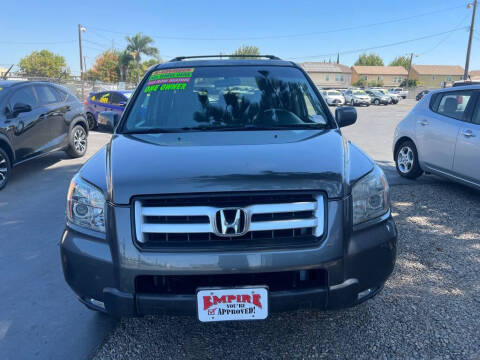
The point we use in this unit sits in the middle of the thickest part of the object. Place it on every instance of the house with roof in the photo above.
(328, 75)
(475, 75)
(436, 76)
(389, 76)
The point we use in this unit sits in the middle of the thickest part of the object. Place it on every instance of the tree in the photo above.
(401, 61)
(140, 44)
(124, 60)
(43, 63)
(106, 67)
(246, 50)
(360, 83)
(147, 64)
(411, 83)
(369, 60)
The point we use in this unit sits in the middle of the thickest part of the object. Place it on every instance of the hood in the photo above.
(151, 164)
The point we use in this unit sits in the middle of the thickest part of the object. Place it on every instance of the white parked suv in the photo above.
(334, 97)
(441, 135)
(357, 97)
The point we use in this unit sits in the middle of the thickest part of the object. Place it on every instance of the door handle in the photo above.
(468, 133)
(43, 116)
(423, 122)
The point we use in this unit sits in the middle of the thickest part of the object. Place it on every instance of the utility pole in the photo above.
(80, 29)
(409, 69)
(467, 61)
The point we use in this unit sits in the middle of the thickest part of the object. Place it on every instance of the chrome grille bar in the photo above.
(144, 224)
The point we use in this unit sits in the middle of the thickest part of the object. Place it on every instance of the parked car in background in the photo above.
(441, 135)
(356, 97)
(400, 91)
(392, 98)
(114, 100)
(421, 94)
(36, 119)
(395, 97)
(254, 226)
(377, 97)
(334, 97)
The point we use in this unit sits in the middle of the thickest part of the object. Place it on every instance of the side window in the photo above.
(25, 95)
(476, 114)
(61, 95)
(116, 99)
(452, 104)
(46, 94)
(104, 98)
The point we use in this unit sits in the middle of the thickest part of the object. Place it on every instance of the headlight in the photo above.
(370, 196)
(85, 205)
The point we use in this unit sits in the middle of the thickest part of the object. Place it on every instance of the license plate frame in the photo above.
(232, 304)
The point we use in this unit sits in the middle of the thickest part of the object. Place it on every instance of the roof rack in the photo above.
(180, 58)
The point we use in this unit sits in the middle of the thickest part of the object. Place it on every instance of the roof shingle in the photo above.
(379, 70)
(438, 69)
(325, 67)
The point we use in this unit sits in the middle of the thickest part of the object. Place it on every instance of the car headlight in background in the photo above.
(85, 205)
(370, 196)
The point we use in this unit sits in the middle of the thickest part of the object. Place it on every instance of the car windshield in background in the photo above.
(225, 98)
(334, 93)
(359, 92)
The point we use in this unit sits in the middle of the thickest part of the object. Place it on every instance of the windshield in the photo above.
(359, 92)
(225, 98)
(334, 93)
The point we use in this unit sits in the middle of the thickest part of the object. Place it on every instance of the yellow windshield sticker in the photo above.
(169, 79)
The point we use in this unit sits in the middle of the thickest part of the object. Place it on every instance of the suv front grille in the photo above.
(192, 222)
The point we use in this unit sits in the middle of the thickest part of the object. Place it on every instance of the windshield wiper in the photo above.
(254, 127)
(150, 131)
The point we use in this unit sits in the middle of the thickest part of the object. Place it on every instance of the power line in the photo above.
(445, 38)
(36, 43)
(379, 46)
(288, 35)
(96, 43)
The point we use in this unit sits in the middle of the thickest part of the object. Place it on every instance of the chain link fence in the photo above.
(75, 85)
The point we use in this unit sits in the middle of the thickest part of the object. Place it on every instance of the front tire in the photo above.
(352, 102)
(5, 168)
(77, 142)
(92, 124)
(376, 102)
(406, 160)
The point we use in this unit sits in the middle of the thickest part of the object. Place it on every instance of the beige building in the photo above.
(436, 76)
(2, 71)
(389, 76)
(475, 75)
(328, 75)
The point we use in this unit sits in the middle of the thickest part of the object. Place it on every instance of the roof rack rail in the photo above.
(180, 58)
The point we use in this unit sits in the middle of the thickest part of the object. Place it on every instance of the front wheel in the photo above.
(406, 160)
(5, 168)
(352, 102)
(376, 102)
(92, 124)
(77, 142)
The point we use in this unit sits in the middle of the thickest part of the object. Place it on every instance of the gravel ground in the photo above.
(430, 307)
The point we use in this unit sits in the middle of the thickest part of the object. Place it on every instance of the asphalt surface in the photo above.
(40, 317)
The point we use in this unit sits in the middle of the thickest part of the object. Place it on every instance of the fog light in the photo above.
(97, 303)
(364, 293)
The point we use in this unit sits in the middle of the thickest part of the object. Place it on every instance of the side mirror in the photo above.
(21, 108)
(107, 120)
(345, 115)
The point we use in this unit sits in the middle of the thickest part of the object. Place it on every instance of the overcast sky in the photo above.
(297, 30)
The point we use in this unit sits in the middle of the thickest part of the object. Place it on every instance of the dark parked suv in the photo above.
(37, 118)
(227, 191)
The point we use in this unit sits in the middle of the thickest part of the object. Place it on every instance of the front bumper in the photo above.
(102, 272)
(361, 102)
